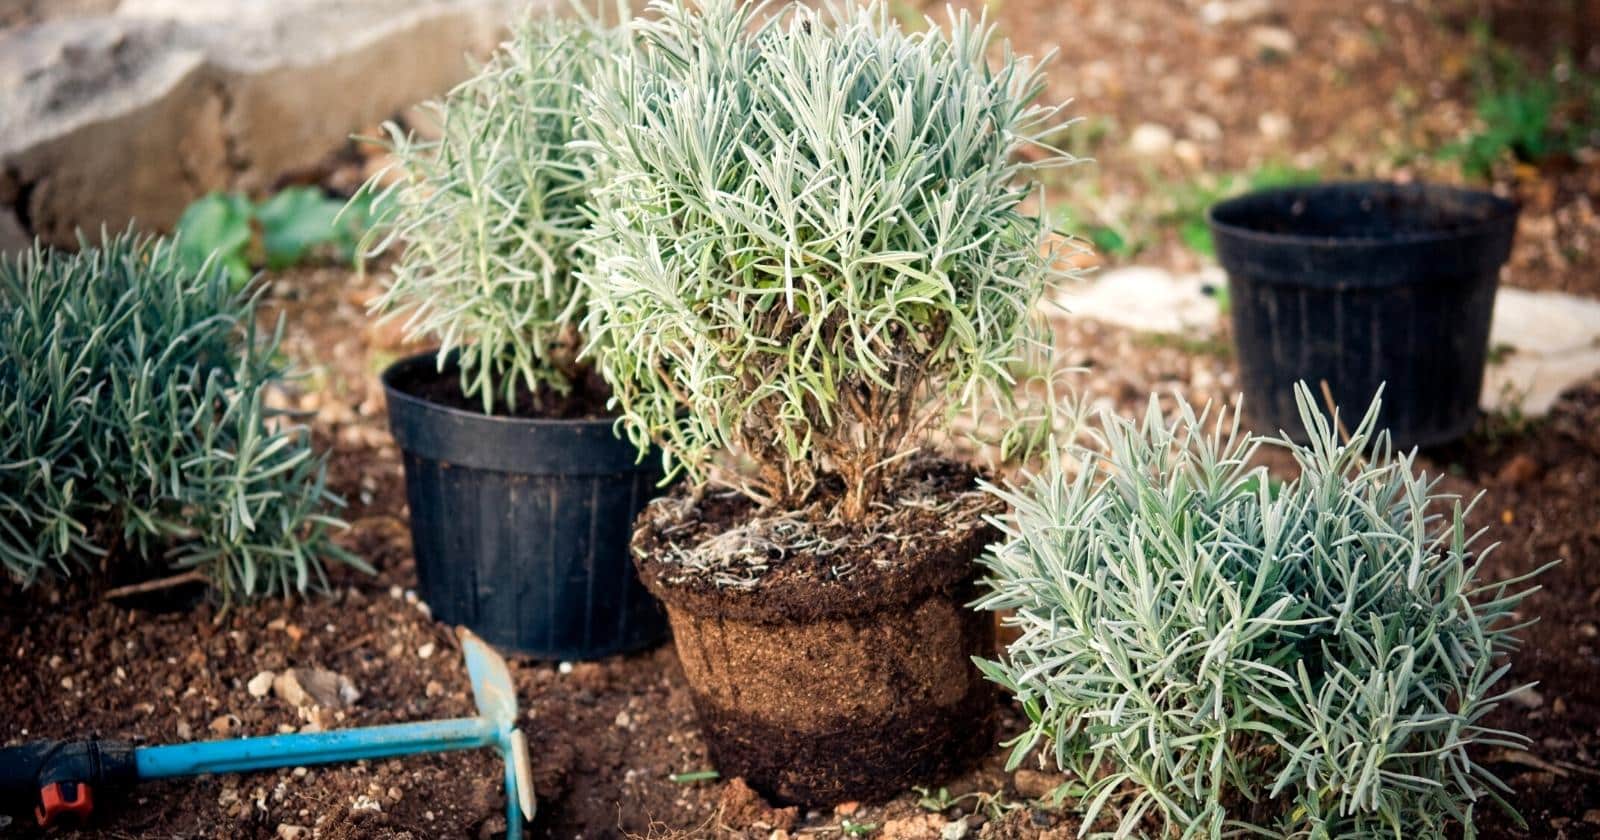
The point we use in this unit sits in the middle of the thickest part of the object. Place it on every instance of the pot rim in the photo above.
(503, 443)
(1505, 212)
(426, 359)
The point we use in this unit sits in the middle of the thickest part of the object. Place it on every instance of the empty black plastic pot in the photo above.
(521, 526)
(1358, 284)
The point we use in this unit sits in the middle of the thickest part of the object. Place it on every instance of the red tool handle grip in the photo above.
(56, 779)
(62, 799)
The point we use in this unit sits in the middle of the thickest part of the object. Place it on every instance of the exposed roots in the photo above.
(922, 507)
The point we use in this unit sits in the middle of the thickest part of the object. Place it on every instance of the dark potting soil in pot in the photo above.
(586, 399)
(830, 661)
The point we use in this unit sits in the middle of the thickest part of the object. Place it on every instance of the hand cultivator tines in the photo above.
(57, 778)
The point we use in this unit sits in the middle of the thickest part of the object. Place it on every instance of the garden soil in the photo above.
(607, 737)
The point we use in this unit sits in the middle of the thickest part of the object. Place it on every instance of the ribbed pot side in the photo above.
(520, 526)
(1362, 285)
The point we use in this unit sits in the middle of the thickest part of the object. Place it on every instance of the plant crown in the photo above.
(810, 237)
(490, 212)
(133, 425)
(1233, 656)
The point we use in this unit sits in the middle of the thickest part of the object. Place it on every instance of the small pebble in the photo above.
(1150, 140)
(425, 651)
(1274, 126)
(260, 684)
(1273, 39)
(1528, 698)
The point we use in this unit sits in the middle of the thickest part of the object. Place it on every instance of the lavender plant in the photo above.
(810, 238)
(1221, 655)
(133, 428)
(490, 213)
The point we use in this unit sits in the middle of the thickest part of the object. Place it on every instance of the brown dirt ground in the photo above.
(1366, 85)
(606, 736)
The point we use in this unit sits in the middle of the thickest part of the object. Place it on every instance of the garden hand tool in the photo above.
(58, 778)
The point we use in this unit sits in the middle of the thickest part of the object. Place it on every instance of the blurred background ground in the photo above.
(1182, 102)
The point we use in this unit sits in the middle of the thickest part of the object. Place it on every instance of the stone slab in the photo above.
(1147, 299)
(1547, 342)
(112, 120)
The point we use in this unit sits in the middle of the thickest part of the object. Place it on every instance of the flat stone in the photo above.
(1546, 323)
(1530, 385)
(112, 119)
(1549, 341)
(1148, 299)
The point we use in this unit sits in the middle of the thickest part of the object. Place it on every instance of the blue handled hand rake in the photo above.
(57, 778)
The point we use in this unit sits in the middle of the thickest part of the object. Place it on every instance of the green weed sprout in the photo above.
(1223, 655)
(133, 428)
(490, 213)
(810, 238)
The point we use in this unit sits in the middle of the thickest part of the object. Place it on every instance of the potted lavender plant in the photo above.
(810, 245)
(519, 488)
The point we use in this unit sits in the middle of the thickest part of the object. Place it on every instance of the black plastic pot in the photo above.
(1360, 284)
(520, 527)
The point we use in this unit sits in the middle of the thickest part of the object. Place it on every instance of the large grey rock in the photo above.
(111, 119)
